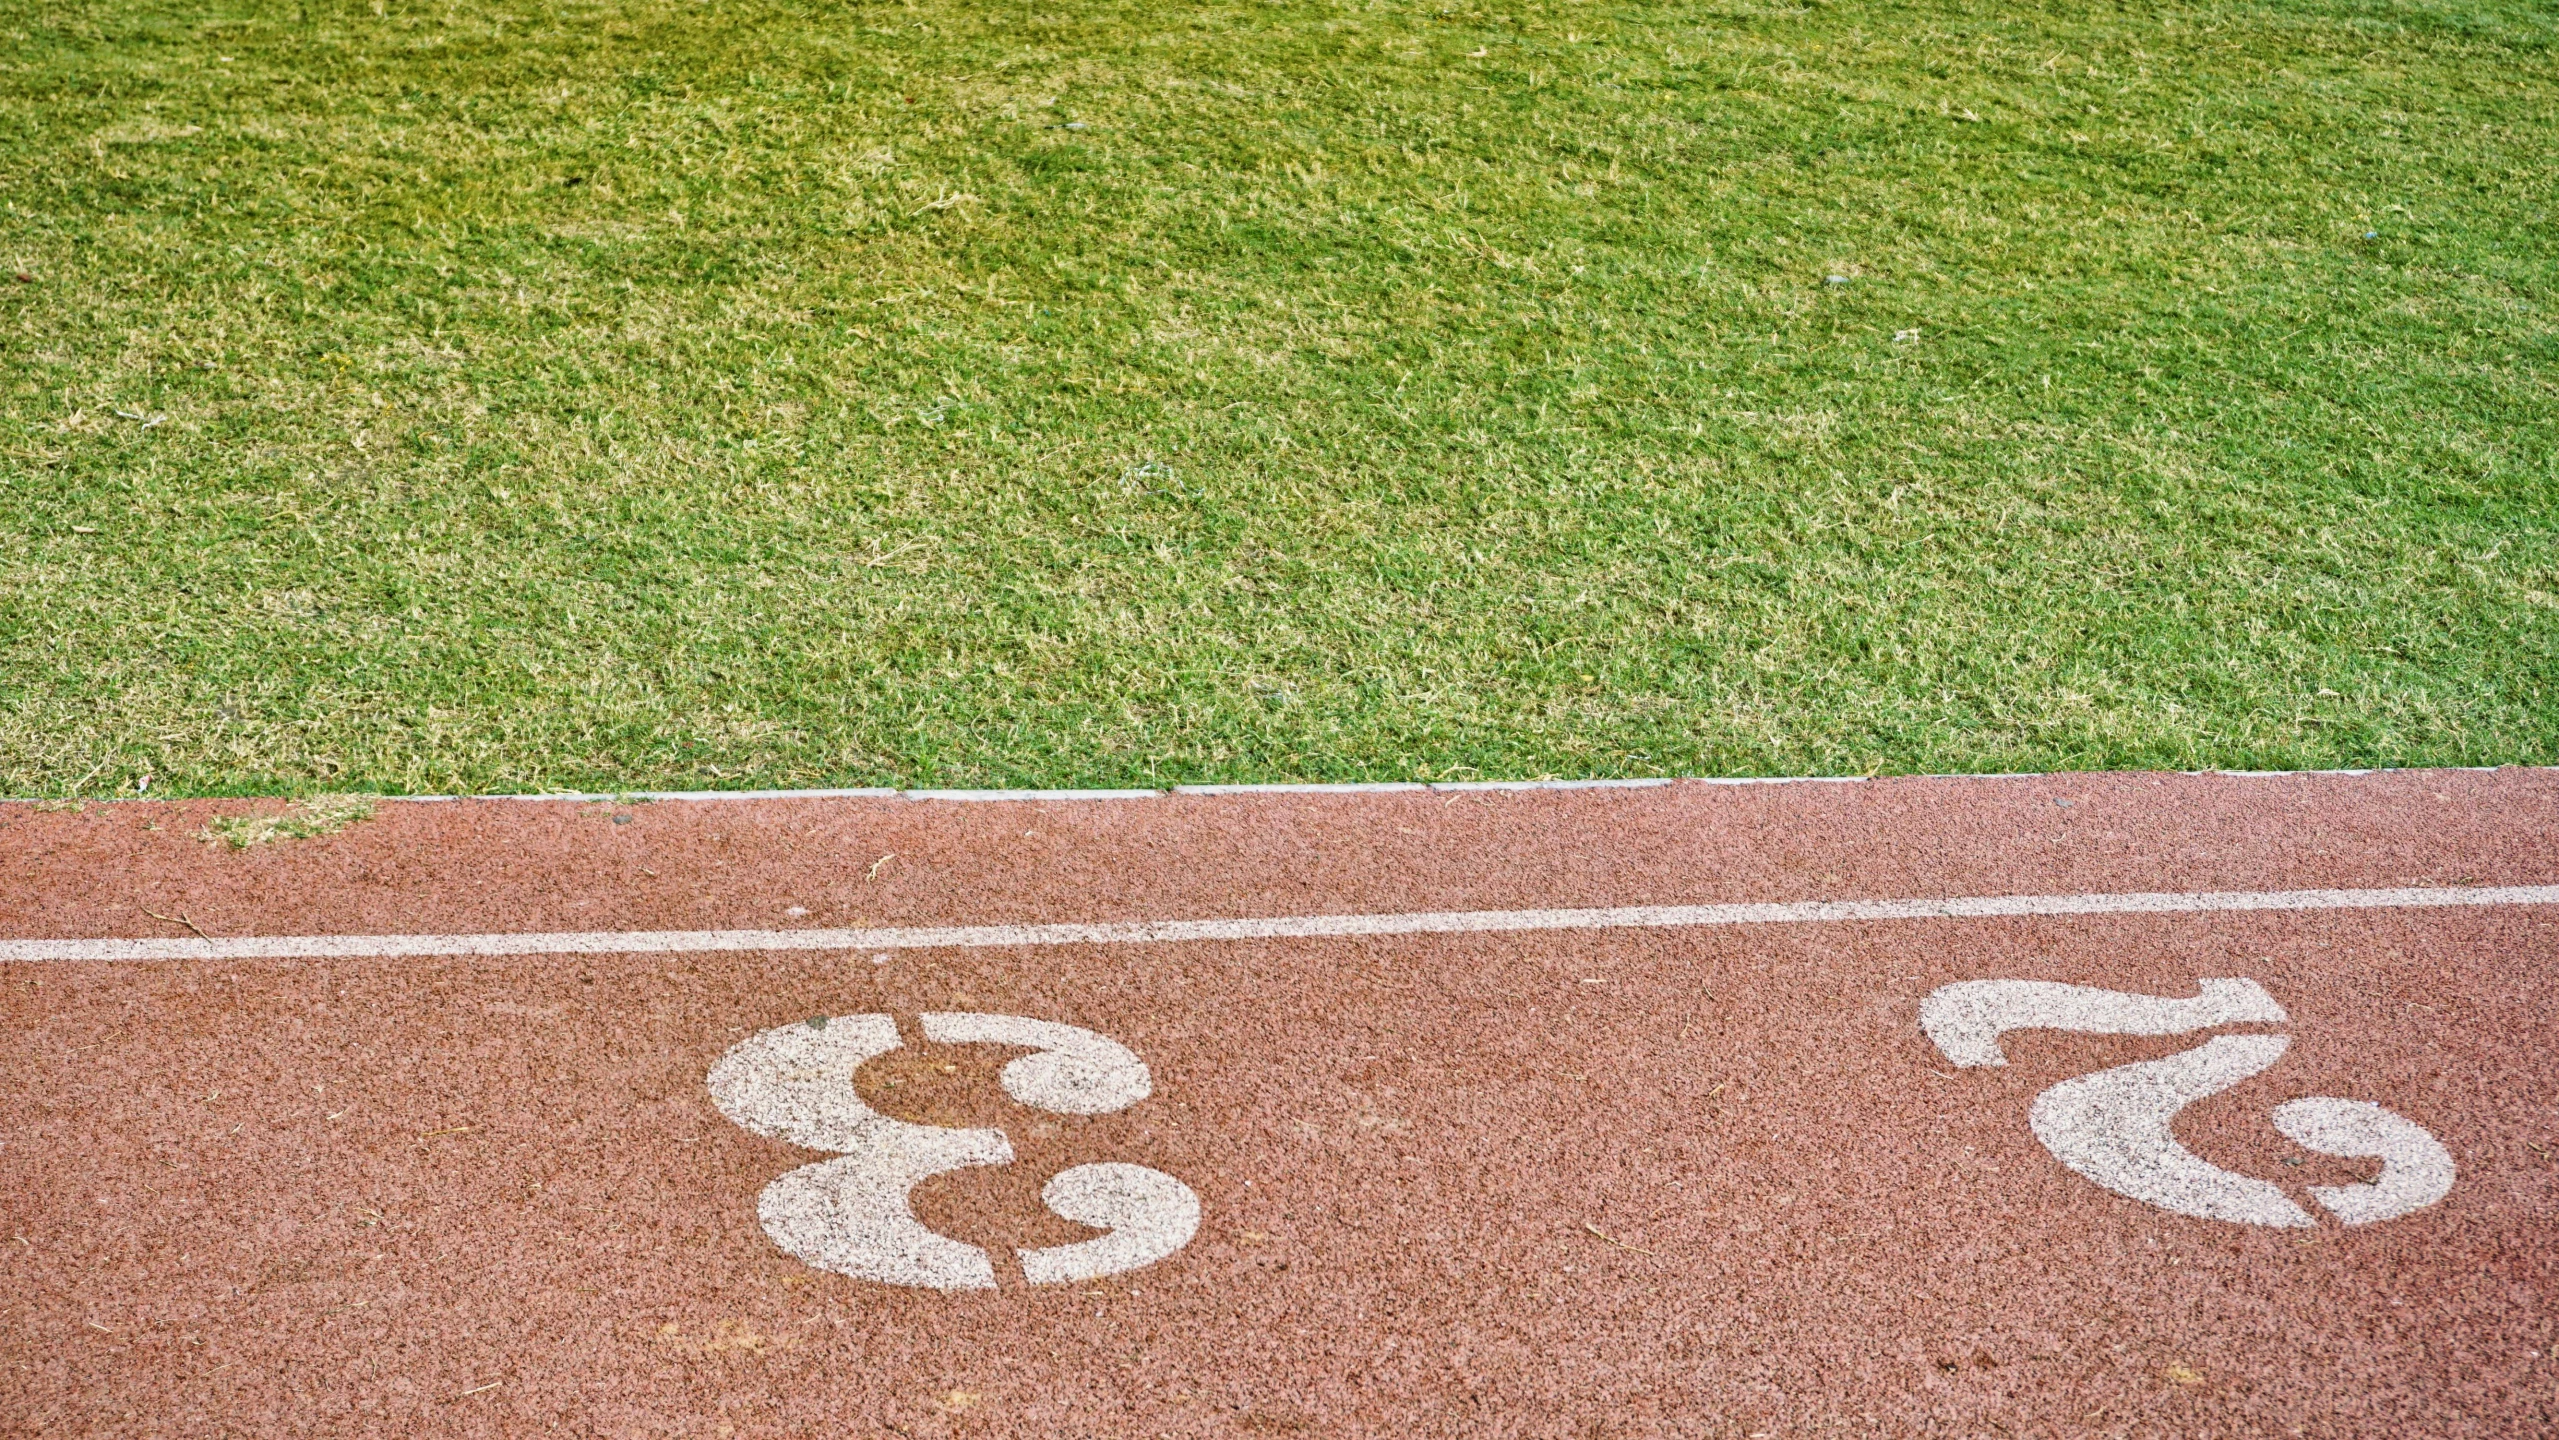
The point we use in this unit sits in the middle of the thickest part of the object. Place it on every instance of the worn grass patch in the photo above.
(320, 815)
(464, 397)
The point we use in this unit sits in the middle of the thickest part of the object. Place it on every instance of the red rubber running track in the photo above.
(1601, 1112)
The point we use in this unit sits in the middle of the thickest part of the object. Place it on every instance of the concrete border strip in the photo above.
(982, 795)
(1462, 787)
(605, 797)
(1378, 787)
(1286, 927)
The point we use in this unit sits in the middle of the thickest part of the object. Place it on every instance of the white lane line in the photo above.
(1284, 927)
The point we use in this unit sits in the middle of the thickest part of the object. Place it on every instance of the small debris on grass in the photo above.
(317, 816)
(26, 279)
(1834, 280)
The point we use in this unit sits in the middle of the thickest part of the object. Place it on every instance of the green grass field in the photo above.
(468, 396)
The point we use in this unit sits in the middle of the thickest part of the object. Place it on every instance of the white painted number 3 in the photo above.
(851, 1214)
(2113, 1126)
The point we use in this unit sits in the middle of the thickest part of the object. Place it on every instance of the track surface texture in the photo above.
(1713, 1180)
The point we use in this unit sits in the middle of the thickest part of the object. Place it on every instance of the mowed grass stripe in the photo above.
(464, 398)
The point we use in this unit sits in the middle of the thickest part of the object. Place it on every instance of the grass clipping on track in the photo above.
(319, 815)
(475, 398)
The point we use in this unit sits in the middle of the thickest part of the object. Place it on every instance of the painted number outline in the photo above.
(2113, 1126)
(852, 1215)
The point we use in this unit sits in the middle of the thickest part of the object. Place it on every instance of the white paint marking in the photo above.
(2113, 1127)
(1146, 932)
(1966, 1019)
(850, 1215)
(853, 1214)
(795, 1083)
(1075, 1071)
(2416, 1171)
(1148, 1213)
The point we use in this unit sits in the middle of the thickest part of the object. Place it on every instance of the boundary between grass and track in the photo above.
(1145, 932)
(1386, 787)
(1355, 787)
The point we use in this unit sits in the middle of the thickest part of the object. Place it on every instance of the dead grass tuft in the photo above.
(319, 815)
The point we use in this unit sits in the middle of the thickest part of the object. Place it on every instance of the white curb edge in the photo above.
(1444, 787)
